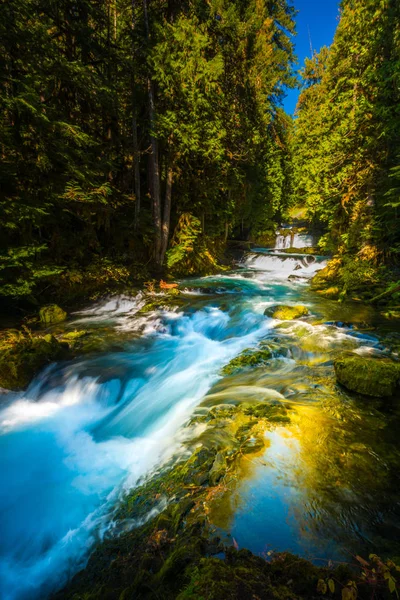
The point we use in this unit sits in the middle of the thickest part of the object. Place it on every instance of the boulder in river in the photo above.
(51, 314)
(286, 313)
(248, 358)
(304, 250)
(21, 359)
(378, 377)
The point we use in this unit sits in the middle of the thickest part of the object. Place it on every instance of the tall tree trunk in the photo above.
(167, 213)
(136, 174)
(155, 167)
(136, 154)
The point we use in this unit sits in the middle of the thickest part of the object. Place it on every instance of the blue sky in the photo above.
(320, 18)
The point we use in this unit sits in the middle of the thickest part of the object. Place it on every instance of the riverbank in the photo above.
(164, 543)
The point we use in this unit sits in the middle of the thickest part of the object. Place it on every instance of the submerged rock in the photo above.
(369, 376)
(286, 313)
(248, 358)
(167, 301)
(75, 339)
(294, 250)
(218, 469)
(22, 358)
(332, 292)
(51, 314)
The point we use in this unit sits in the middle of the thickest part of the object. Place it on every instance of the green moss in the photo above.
(21, 359)
(248, 358)
(368, 376)
(218, 469)
(306, 250)
(332, 292)
(325, 277)
(274, 413)
(166, 301)
(71, 336)
(245, 576)
(51, 314)
(286, 313)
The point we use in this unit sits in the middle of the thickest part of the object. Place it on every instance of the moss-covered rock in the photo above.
(286, 313)
(218, 469)
(306, 250)
(332, 292)
(166, 301)
(72, 336)
(327, 276)
(21, 359)
(248, 358)
(51, 314)
(75, 339)
(368, 376)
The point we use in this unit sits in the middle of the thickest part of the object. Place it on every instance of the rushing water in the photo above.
(87, 430)
(293, 240)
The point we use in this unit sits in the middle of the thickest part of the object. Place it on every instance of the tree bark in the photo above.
(167, 213)
(136, 154)
(155, 167)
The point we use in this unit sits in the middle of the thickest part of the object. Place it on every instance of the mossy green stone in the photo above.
(218, 469)
(369, 376)
(306, 250)
(286, 313)
(332, 292)
(20, 362)
(71, 336)
(51, 314)
(248, 358)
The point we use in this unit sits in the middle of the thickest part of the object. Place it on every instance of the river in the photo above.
(87, 430)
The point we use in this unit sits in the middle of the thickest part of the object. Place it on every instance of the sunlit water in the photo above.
(293, 240)
(86, 431)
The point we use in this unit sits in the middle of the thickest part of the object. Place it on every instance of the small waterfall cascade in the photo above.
(290, 238)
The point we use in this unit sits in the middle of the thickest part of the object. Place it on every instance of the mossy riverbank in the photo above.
(44, 337)
(166, 545)
(359, 279)
(172, 550)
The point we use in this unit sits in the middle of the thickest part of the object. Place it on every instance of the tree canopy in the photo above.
(119, 117)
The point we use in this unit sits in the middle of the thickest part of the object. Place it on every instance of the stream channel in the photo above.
(85, 431)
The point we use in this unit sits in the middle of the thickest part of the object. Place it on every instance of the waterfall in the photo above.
(293, 240)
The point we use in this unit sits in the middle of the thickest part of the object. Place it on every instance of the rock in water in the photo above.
(218, 469)
(52, 314)
(376, 377)
(286, 313)
(21, 360)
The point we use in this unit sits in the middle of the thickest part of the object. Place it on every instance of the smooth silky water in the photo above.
(87, 431)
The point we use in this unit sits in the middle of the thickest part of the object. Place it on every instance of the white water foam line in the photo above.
(283, 267)
(298, 240)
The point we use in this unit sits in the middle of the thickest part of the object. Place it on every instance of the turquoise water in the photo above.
(87, 430)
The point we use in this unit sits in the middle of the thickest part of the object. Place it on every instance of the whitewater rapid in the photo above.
(87, 430)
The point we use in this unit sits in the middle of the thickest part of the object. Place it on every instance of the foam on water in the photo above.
(298, 240)
(282, 267)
